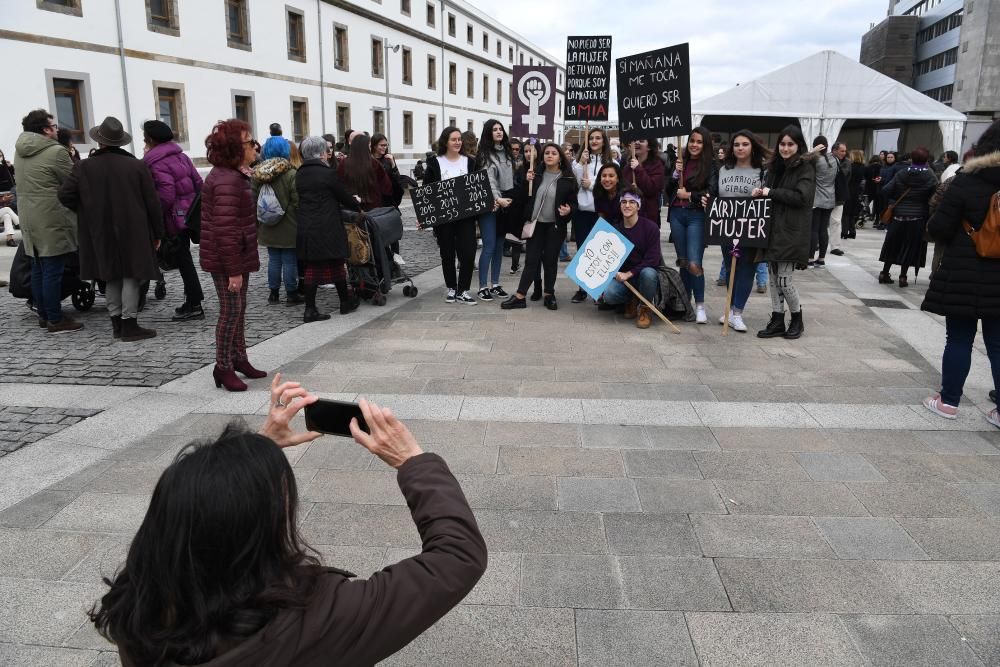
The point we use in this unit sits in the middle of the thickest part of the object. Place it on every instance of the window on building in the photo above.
(343, 118)
(170, 110)
(404, 7)
(407, 66)
(559, 79)
(408, 128)
(468, 33)
(468, 126)
(486, 42)
(452, 79)
(69, 106)
(560, 109)
(378, 58)
(431, 15)
(486, 88)
(452, 122)
(451, 25)
(237, 24)
(378, 121)
(295, 25)
(432, 128)
(71, 7)
(300, 118)
(161, 17)
(510, 53)
(243, 108)
(470, 83)
(499, 91)
(499, 49)
(340, 50)
(531, 61)
(521, 58)
(431, 73)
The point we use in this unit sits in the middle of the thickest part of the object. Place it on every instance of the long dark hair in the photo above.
(605, 156)
(759, 154)
(217, 555)
(359, 170)
(564, 165)
(376, 139)
(778, 164)
(442, 142)
(600, 194)
(706, 161)
(484, 153)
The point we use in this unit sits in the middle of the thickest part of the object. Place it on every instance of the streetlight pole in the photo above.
(386, 46)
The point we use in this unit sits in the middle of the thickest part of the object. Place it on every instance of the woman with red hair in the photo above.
(229, 245)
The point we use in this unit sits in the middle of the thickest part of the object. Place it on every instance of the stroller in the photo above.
(371, 269)
(81, 292)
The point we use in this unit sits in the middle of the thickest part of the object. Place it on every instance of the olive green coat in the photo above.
(280, 174)
(48, 227)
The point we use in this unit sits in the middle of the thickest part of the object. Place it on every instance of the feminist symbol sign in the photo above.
(534, 102)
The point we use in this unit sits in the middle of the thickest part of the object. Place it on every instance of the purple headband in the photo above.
(628, 196)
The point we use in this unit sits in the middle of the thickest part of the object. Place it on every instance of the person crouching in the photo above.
(639, 269)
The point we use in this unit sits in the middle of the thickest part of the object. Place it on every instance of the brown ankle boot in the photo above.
(644, 318)
(131, 331)
(631, 309)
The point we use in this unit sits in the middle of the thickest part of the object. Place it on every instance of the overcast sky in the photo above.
(730, 43)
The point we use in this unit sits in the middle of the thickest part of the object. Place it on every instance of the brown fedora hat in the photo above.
(110, 133)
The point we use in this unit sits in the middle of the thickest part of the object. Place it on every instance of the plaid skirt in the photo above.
(325, 273)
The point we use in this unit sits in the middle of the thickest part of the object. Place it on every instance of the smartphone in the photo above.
(334, 417)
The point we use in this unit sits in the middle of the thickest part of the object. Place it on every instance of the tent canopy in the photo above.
(826, 90)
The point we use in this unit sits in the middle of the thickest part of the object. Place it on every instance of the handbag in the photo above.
(529, 227)
(886, 216)
(193, 219)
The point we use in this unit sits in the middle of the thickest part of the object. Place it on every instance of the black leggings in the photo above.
(543, 253)
(457, 239)
(820, 231)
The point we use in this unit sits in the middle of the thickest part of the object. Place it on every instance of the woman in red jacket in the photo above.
(229, 245)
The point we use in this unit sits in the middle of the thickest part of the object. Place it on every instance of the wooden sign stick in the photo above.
(633, 171)
(653, 308)
(531, 166)
(680, 156)
(729, 293)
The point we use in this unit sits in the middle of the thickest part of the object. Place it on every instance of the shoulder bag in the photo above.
(886, 216)
(529, 227)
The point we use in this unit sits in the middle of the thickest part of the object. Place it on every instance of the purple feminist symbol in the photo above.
(735, 253)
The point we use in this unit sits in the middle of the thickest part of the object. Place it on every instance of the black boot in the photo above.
(131, 331)
(311, 313)
(795, 327)
(293, 298)
(272, 298)
(116, 326)
(775, 328)
(349, 299)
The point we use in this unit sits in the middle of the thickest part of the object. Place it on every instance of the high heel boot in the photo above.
(227, 378)
(349, 299)
(243, 366)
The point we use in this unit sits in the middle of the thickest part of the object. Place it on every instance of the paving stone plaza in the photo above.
(647, 498)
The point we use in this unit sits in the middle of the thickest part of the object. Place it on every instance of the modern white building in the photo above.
(407, 68)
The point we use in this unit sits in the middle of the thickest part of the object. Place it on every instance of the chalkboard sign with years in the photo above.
(454, 199)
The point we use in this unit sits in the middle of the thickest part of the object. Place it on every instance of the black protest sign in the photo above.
(588, 78)
(454, 199)
(654, 94)
(743, 219)
(533, 105)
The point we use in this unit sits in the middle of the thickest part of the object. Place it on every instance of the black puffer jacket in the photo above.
(320, 235)
(921, 183)
(965, 285)
(791, 212)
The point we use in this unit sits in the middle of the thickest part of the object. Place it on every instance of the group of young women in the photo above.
(541, 190)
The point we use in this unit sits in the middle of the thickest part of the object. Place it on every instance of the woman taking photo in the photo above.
(276, 170)
(596, 154)
(964, 287)
(645, 169)
(497, 159)
(791, 185)
(741, 172)
(322, 240)
(550, 207)
(911, 190)
(364, 176)
(687, 214)
(228, 246)
(456, 240)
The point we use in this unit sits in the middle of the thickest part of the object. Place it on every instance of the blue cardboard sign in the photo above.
(595, 264)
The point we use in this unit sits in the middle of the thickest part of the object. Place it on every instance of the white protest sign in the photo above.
(595, 264)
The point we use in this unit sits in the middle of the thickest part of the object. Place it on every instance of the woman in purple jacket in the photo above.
(177, 183)
(229, 245)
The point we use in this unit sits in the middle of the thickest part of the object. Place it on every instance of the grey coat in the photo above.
(826, 176)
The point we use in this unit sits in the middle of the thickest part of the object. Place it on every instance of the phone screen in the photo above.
(334, 417)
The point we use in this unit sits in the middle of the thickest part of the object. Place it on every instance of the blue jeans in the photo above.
(957, 358)
(282, 262)
(647, 282)
(492, 254)
(46, 286)
(688, 229)
(724, 270)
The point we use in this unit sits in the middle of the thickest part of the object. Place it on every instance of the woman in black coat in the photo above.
(551, 204)
(321, 240)
(911, 188)
(966, 287)
(855, 187)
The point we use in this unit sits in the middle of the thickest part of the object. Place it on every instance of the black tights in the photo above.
(902, 269)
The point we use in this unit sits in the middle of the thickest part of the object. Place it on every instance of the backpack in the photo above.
(269, 209)
(987, 237)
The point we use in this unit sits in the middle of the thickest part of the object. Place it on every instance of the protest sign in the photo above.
(654, 94)
(595, 264)
(743, 219)
(588, 78)
(534, 102)
(453, 199)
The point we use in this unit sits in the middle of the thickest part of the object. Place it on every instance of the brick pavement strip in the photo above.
(21, 425)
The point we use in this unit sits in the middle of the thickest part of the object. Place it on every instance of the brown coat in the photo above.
(352, 621)
(119, 216)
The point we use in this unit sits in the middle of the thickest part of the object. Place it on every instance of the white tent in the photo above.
(823, 93)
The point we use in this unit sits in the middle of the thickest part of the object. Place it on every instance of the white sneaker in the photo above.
(450, 296)
(465, 298)
(699, 315)
(722, 318)
(736, 323)
(398, 259)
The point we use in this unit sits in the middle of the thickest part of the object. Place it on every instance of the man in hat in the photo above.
(48, 228)
(121, 224)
